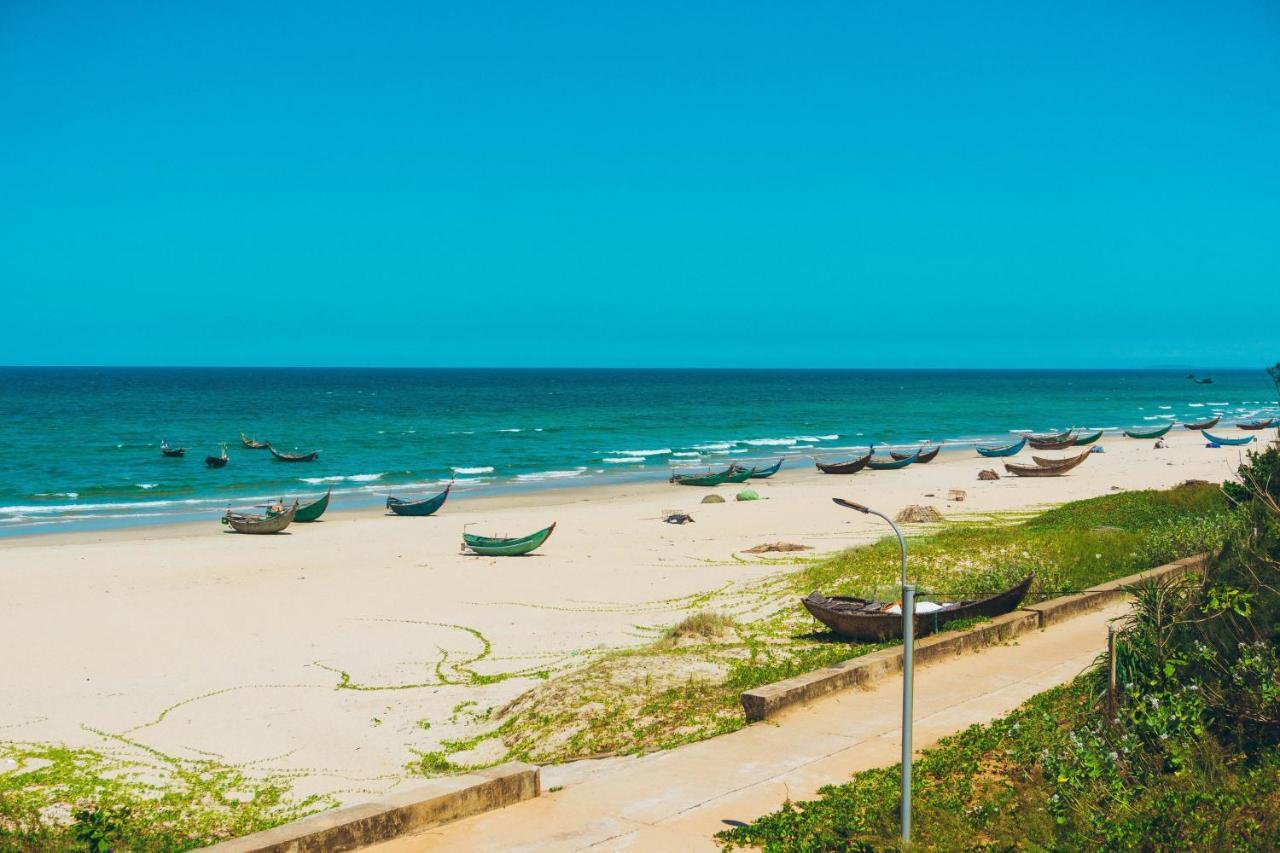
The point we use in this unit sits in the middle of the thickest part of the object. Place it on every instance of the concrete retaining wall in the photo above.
(768, 701)
(430, 804)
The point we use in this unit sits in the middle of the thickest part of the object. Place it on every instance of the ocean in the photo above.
(82, 444)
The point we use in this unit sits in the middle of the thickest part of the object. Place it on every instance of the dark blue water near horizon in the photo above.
(83, 443)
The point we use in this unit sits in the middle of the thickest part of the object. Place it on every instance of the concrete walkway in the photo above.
(678, 800)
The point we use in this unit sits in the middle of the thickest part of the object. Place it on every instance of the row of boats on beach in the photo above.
(279, 516)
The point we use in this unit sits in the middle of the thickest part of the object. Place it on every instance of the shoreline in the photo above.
(500, 490)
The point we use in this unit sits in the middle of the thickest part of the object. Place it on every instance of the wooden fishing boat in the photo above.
(1056, 444)
(1087, 438)
(708, 479)
(763, 473)
(1209, 424)
(1049, 436)
(1262, 424)
(217, 461)
(868, 621)
(1149, 433)
(890, 464)
(1002, 450)
(420, 508)
(313, 510)
(1230, 442)
(171, 452)
(923, 457)
(270, 523)
(1055, 468)
(853, 466)
(294, 457)
(494, 546)
(738, 475)
(253, 444)
(1066, 464)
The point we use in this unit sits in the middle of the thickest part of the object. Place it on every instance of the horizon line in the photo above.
(597, 367)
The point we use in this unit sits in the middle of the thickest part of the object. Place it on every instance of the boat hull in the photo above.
(922, 457)
(1202, 425)
(422, 508)
(261, 524)
(1230, 442)
(873, 627)
(1008, 450)
(294, 457)
(851, 467)
(487, 546)
(313, 511)
(890, 464)
(1155, 433)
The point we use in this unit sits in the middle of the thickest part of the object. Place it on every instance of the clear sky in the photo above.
(849, 183)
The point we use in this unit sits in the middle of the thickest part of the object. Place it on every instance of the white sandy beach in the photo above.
(196, 642)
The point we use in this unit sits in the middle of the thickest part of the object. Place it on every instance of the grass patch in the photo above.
(66, 798)
(704, 626)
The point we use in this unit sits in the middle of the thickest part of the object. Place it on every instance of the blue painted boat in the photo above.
(1229, 442)
(762, 473)
(426, 506)
(1002, 450)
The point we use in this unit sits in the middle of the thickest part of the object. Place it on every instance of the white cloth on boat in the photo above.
(921, 607)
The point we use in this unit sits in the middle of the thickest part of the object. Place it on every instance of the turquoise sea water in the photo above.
(82, 444)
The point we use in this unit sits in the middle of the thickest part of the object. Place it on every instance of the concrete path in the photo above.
(678, 800)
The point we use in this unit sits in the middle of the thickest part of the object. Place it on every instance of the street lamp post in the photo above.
(908, 652)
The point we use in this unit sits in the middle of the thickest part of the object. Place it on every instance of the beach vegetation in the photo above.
(1181, 752)
(59, 797)
(685, 684)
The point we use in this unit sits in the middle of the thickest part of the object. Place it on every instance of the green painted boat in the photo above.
(1149, 433)
(493, 546)
(715, 479)
(313, 510)
(1087, 438)
(738, 475)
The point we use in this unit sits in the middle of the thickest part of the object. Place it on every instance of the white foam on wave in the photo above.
(687, 454)
(71, 495)
(551, 475)
(1211, 403)
(622, 460)
(147, 486)
(715, 445)
(816, 438)
(740, 450)
(770, 442)
(1165, 407)
(340, 478)
(1196, 405)
(482, 469)
(514, 429)
(662, 451)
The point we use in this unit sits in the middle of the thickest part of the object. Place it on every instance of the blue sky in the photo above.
(660, 184)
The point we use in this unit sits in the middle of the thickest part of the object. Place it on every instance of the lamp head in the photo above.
(851, 505)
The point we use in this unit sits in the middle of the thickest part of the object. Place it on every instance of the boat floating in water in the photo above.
(294, 457)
